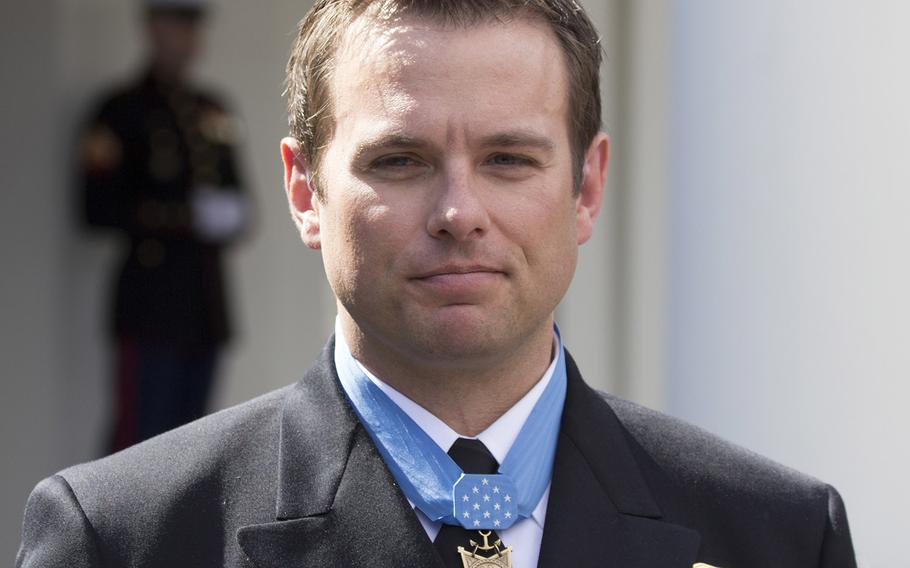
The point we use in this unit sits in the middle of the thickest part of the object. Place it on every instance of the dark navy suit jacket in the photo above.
(293, 479)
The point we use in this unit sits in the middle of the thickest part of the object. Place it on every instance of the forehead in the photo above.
(418, 73)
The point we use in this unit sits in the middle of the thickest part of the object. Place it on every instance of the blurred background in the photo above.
(750, 272)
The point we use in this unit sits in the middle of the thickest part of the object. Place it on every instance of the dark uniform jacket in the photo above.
(143, 154)
(293, 479)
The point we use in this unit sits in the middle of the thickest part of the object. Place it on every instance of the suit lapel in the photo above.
(601, 511)
(337, 503)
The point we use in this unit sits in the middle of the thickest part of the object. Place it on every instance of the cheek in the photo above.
(358, 244)
(341, 254)
(549, 246)
(546, 227)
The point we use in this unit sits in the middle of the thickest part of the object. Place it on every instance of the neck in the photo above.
(468, 395)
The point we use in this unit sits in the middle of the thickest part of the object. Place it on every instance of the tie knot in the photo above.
(473, 457)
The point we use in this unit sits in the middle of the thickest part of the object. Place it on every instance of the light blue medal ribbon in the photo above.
(429, 477)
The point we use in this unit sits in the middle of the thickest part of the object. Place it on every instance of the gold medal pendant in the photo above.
(499, 557)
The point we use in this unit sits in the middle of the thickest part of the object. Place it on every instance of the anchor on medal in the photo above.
(500, 558)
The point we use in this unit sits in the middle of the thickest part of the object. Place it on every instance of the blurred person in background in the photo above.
(157, 164)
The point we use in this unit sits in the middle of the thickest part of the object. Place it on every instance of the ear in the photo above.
(302, 202)
(591, 192)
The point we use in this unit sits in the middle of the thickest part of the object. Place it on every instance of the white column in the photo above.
(613, 316)
(588, 314)
(789, 242)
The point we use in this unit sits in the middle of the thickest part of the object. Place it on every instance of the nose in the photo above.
(459, 212)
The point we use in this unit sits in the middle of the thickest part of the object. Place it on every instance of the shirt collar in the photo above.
(498, 436)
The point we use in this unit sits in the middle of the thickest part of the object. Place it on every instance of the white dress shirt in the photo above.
(526, 534)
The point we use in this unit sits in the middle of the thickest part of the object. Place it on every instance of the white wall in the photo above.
(31, 228)
(789, 239)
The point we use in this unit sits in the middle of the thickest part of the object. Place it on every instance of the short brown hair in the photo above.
(312, 59)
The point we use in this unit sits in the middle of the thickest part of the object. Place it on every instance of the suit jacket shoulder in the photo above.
(738, 500)
(174, 500)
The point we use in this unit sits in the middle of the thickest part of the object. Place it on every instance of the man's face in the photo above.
(447, 221)
(174, 40)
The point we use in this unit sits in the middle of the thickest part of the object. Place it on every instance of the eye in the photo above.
(514, 167)
(394, 162)
(509, 160)
(397, 167)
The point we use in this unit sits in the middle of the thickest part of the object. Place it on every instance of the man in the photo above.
(158, 166)
(447, 163)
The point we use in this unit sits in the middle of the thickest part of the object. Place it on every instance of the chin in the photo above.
(462, 332)
(455, 353)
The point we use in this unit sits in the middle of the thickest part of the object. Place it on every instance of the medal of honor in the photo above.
(499, 557)
(436, 485)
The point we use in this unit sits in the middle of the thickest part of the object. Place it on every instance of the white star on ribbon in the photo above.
(481, 500)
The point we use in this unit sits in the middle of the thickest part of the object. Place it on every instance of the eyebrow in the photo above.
(387, 141)
(507, 139)
(518, 139)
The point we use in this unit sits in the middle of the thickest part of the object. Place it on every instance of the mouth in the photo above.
(460, 282)
(458, 270)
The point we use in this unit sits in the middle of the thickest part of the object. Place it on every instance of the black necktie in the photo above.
(472, 457)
